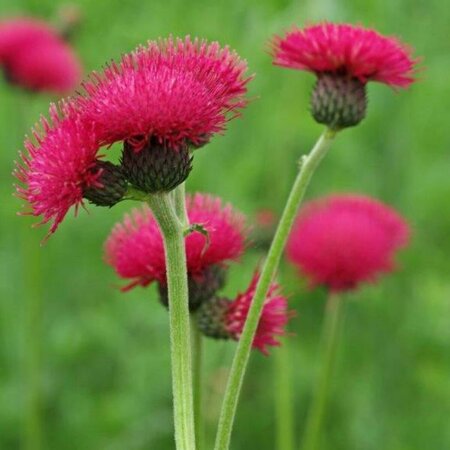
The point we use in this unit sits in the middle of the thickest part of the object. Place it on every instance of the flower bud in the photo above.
(108, 185)
(338, 101)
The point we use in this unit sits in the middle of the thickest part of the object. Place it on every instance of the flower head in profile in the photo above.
(163, 100)
(33, 56)
(135, 246)
(61, 167)
(344, 240)
(344, 57)
(221, 318)
(171, 91)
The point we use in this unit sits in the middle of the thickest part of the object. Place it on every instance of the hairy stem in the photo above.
(197, 347)
(309, 164)
(180, 338)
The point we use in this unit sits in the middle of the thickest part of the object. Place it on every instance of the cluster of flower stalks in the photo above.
(164, 102)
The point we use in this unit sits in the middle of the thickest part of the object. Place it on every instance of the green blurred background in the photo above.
(104, 358)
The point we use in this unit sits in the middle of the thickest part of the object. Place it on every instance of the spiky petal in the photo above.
(272, 323)
(174, 91)
(58, 164)
(348, 50)
(344, 240)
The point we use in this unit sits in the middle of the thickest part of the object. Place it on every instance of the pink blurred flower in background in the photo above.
(343, 240)
(135, 247)
(35, 57)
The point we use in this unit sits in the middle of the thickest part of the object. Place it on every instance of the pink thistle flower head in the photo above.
(135, 246)
(162, 100)
(61, 166)
(344, 57)
(344, 240)
(221, 318)
(173, 91)
(36, 58)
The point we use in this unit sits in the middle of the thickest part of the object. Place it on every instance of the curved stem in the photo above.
(197, 347)
(309, 164)
(330, 339)
(180, 338)
(284, 414)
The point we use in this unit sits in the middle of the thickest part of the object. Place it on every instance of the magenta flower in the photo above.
(344, 240)
(346, 49)
(160, 100)
(36, 58)
(135, 247)
(59, 165)
(221, 318)
(344, 58)
(173, 91)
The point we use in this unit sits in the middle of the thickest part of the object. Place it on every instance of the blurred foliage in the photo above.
(105, 362)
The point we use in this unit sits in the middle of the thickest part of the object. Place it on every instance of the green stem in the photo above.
(197, 347)
(330, 334)
(309, 164)
(180, 338)
(179, 196)
(284, 414)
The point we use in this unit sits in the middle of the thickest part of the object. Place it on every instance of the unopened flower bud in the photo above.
(108, 185)
(338, 101)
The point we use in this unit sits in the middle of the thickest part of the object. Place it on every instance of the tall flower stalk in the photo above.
(343, 58)
(308, 165)
(180, 335)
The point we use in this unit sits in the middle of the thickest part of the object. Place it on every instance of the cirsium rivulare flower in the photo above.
(171, 91)
(135, 246)
(344, 58)
(342, 241)
(221, 318)
(168, 97)
(59, 164)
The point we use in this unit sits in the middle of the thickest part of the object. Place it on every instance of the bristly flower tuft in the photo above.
(221, 318)
(172, 91)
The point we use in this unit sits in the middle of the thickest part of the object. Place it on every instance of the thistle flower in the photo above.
(162, 101)
(344, 240)
(221, 318)
(33, 56)
(344, 58)
(135, 247)
(61, 167)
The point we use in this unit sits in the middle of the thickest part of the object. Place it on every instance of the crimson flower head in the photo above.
(221, 318)
(33, 56)
(344, 240)
(61, 165)
(135, 246)
(162, 101)
(344, 57)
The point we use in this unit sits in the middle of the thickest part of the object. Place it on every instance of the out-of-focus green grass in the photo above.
(105, 376)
